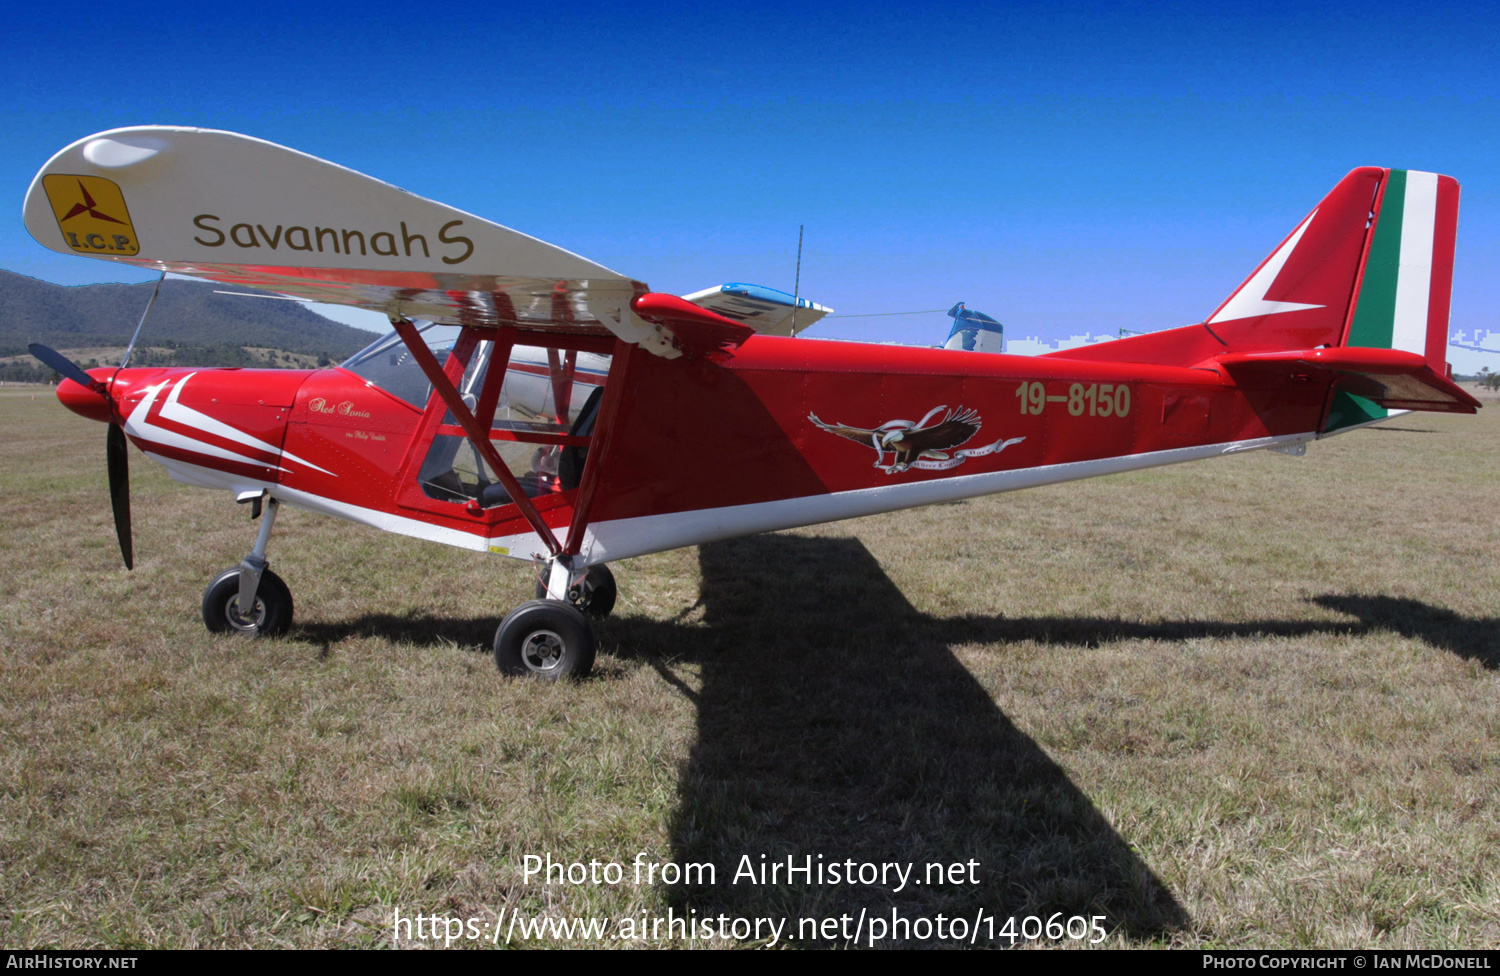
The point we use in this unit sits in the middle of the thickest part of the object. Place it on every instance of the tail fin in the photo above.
(1391, 349)
(1359, 289)
(1301, 295)
(1371, 266)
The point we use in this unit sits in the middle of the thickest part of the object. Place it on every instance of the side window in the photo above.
(545, 402)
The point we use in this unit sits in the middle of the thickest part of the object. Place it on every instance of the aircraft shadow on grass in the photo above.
(1473, 639)
(834, 720)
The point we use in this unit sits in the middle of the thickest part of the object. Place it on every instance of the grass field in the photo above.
(1240, 703)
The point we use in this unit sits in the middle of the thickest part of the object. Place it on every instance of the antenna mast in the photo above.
(797, 287)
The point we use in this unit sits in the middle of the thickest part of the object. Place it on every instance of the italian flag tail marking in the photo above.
(1404, 291)
(1405, 287)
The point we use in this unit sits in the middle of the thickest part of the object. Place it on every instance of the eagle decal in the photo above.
(916, 445)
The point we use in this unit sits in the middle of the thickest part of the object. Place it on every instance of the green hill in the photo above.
(189, 315)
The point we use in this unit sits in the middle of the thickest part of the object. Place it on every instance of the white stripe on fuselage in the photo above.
(205, 477)
(624, 538)
(139, 424)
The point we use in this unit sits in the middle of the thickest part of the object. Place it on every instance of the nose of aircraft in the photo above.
(84, 401)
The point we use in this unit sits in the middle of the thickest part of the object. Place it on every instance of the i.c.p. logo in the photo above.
(91, 214)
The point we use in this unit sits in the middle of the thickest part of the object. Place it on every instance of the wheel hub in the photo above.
(239, 621)
(542, 650)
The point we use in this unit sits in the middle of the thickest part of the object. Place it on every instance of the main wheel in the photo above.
(271, 615)
(545, 639)
(594, 594)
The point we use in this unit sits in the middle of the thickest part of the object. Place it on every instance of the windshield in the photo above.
(388, 364)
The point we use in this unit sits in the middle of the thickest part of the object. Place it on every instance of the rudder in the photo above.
(1405, 288)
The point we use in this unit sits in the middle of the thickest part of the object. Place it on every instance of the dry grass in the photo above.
(1250, 702)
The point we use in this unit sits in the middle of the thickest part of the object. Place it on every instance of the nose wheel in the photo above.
(269, 615)
(249, 599)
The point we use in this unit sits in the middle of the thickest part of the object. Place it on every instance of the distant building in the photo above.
(1033, 346)
(1470, 352)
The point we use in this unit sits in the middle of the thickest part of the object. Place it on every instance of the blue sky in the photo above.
(1063, 167)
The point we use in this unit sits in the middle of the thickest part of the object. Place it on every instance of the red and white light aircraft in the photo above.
(670, 423)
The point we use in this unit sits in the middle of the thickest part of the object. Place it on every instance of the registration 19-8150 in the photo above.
(1095, 399)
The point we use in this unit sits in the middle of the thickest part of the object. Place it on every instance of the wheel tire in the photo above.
(273, 606)
(594, 594)
(545, 639)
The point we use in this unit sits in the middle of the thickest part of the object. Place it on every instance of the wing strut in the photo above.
(478, 435)
(602, 444)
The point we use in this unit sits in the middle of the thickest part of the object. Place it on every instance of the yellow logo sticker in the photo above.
(91, 214)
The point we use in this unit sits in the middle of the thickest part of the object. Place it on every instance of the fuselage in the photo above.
(701, 450)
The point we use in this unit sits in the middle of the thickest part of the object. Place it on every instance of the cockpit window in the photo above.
(529, 424)
(388, 364)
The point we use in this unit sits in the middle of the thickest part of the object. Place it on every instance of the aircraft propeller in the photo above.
(118, 458)
(116, 454)
(62, 364)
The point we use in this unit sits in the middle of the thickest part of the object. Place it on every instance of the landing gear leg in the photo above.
(593, 591)
(250, 585)
(255, 564)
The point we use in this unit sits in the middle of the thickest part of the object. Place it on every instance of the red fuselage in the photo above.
(782, 432)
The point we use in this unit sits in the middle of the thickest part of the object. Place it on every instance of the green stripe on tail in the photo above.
(1349, 410)
(1375, 316)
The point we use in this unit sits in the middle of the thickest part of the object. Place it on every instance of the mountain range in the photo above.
(188, 315)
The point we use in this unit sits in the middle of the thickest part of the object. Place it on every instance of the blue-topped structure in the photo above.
(974, 331)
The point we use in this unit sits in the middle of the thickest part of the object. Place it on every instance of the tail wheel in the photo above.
(271, 615)
(545, 639)
(593, 595)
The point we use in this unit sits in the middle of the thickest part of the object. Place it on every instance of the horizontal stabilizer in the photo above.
(1392, 378)
(763, 309)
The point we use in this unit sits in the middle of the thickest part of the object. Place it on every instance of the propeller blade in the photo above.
(64, 365)
(116, 451)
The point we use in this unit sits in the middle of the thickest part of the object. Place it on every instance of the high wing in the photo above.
(236, 209)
